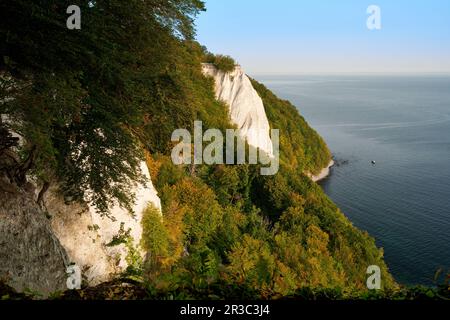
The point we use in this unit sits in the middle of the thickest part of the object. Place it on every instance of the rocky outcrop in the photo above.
(37, 243)
(88, 236)
(322, 174)
(31, 256)
(246, 107)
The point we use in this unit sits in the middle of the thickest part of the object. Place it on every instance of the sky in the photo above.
(328, 36)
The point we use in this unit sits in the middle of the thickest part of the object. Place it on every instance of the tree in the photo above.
(87, 90)
(221, 62)
(155, 238)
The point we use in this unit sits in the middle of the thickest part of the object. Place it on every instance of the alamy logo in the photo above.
(374, 20)
(74, 277)
(374, 280)
(74, 20)
(213, 153)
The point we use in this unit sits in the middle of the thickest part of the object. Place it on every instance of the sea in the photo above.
(390, 138)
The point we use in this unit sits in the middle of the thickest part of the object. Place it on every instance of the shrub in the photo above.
(155, 240)
(221, 62)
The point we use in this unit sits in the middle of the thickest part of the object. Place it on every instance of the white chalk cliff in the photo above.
(246, 107)
(246, 110)
(322, 174)
(85, 234)
(74, 233)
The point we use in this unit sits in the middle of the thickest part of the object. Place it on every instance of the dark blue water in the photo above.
(403, 123)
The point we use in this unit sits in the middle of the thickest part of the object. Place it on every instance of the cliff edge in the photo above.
(246, 108)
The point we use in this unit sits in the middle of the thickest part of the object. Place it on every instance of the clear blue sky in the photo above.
(328, 36)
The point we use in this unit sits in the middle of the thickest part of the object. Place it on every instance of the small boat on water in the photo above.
(373, 162)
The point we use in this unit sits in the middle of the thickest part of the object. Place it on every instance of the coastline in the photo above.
(322, 174)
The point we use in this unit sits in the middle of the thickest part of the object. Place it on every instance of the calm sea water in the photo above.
(402, 123)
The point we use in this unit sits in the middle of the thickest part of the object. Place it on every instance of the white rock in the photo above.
(84, 233)
(246, 108)
(145, 195)
(322, 174)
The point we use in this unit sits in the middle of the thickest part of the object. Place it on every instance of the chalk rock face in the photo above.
(36, 245)
(246, 108)
(87, 236)
(31, 257)
(322, 174)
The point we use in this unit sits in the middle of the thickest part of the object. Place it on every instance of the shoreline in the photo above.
(324, 173)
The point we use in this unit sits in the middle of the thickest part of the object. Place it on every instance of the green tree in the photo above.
(221, 62)
(84, 93)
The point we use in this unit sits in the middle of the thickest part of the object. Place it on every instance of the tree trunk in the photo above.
(20, 175)
(40, 198)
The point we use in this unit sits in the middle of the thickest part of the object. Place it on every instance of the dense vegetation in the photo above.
(86, 99)
(221, 62)
(302, 148)
(92, 103)
(128, 289)
(269, 236)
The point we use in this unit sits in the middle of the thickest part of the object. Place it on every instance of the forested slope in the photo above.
(92, 103)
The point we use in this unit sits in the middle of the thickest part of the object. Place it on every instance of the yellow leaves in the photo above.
(316, 276)
(202, 214)
(153, 164)
(173, 222)
(322, 269)
(246, 256)
(163, 237)
(297, 200)
(284, 280)
(288, 248)
(292, 220)
(317, 241)
(243, 258)
(154, 235)
(344, 253)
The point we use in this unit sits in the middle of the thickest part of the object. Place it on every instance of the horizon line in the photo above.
(259, 73)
